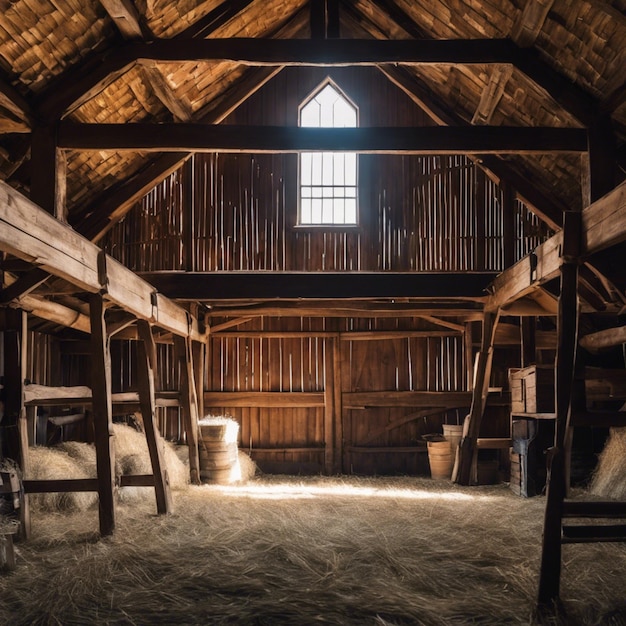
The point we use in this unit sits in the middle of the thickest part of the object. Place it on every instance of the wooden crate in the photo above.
(515, 481)
(532, 389)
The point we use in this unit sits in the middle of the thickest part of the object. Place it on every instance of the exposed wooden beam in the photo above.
(47, 172)
(317, 9)
(258, 139)
(530, 21)
(23, 285)
(602, 339)
(29, 233)
(102, 407)
(180, 109)
(418, 91)
(126, 17)
(214, 19)
(15, 103)
(604, 225)
(54, 312)
(492, 94)
(94, 220)
(216, 286)
(328, 53)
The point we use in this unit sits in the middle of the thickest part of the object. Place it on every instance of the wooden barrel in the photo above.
(440, 458)
(219, 455)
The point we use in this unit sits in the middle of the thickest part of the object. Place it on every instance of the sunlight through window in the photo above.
(328, 180)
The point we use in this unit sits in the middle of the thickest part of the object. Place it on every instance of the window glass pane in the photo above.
(328, 180)
(350, 168)
(316, 212)
(316, 168)
(310, 114)
(350, 211)
(305, 168)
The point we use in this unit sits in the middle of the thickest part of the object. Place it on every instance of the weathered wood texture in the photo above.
(416, 213)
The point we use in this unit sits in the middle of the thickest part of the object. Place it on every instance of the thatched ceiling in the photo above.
(79, 61)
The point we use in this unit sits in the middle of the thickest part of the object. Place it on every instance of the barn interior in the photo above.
(383, 241)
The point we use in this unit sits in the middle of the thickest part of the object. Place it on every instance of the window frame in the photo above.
(327, 225)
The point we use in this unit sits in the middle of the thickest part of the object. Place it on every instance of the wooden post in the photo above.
(567, 340)
(529, 343)
(330, 418)
(508, 223)
(146, 365)
(465, 470)
(338, 406)
(48, 165)
(15, 422)
(469, 355)
(188, 217)
(189, 403)
(198, 353)
(102, 414)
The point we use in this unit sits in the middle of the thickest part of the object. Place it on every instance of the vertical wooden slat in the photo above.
(102, 413)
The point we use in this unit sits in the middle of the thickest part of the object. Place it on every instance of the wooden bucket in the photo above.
(218, 452)
(440, 458)
(453, 434)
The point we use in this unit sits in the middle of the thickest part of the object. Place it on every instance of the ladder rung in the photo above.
(579, 508)
(588, 534)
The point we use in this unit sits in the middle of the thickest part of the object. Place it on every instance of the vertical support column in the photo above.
(567, 340)
(508, 223)
(529, 343)
(102, 414)
(469, 355)
(15, 423)
(189, 403)
(338, 405)
(188, 216)
(330, 417)
(465, 470)
(146, 365)
(479, 201)
(198, 353)
(48, 172)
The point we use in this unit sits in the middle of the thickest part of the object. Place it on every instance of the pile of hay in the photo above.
(72, 459)
(284, 551)
(609, 477)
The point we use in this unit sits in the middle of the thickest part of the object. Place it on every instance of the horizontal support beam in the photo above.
(67, 485)
(329, 53)
(603, 226)
(372, 335)
(296, 399)
(216, 286)
(413, 399)
(192, 137)
(35, 236)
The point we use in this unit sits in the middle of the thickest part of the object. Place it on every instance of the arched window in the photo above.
(328, 180)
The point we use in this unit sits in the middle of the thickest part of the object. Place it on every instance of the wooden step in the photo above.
(579, 508)
(593, 533)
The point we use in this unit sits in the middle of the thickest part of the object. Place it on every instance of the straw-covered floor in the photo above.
(285, 550)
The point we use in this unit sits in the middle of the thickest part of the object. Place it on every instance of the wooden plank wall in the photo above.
(417, 213)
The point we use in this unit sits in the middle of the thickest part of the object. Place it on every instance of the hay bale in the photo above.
(609, 478)
(247, 467)
(53, 463)
(132, 456)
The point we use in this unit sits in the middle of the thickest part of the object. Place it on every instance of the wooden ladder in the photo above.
(570, 406)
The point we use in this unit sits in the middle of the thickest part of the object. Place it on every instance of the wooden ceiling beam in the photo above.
(231, 138)
(492, 95)
(179, 108)
(96, 218)
(216, 286)
(15, 103)
(126, 17)
(530, 21)
(326, 53)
